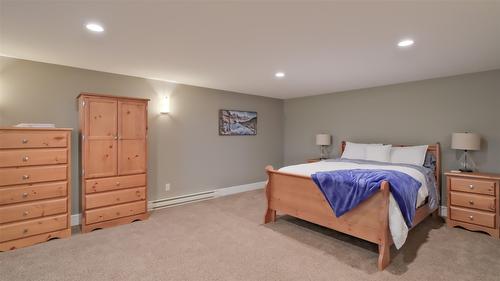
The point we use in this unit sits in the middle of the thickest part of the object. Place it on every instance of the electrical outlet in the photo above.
(167, 187)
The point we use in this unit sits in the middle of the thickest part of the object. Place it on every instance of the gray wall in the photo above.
(185, 149)
(420, 112)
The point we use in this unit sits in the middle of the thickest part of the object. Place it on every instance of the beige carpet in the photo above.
(224, 239)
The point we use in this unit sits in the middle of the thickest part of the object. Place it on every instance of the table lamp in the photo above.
(323, 141)
(465, 141)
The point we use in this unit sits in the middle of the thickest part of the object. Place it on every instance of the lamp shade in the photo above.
(466, 141)
(323, 139)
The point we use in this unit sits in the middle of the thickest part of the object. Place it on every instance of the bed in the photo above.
(295, 194)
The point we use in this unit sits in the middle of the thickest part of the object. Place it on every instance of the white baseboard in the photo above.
(75, 219)
(443, 211)
(239, 188)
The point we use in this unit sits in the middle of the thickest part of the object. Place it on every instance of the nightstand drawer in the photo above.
(473, 216)
(473, 185)
(468, 200)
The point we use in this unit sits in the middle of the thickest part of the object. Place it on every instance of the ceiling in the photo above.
(322, 47)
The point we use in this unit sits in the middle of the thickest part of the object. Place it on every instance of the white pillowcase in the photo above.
(414, 155)
(381, 153)
(356, 150)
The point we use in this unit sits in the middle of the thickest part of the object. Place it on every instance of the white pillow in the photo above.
(355, 150)
(414, 155)
(381, 153)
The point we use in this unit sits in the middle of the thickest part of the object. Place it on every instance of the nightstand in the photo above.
(473, 201)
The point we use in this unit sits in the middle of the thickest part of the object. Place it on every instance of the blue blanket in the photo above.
(346, 189)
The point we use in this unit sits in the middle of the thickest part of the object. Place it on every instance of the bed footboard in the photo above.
(299, 197)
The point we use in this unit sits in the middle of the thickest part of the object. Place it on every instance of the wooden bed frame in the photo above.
(298, 196)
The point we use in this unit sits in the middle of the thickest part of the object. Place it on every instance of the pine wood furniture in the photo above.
(473, 201)
(313, 160)
(299, 196)
(35, 186)
(113, 136)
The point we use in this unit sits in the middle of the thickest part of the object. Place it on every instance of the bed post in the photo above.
(384, 247)
(270, 215)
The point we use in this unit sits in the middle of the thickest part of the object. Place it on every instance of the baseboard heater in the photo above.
(180, 200)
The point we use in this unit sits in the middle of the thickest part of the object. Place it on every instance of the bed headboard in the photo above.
(433, 149)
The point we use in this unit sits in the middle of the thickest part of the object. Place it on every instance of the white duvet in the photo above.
(397, 225)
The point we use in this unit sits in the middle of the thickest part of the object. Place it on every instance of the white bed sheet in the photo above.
(397, 225)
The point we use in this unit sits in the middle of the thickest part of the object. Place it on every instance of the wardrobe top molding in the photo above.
(109, 96)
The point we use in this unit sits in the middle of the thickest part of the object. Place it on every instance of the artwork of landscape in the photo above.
(237, 123)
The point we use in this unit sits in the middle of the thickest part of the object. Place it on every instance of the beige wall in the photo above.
(411, 113)
(185, 149)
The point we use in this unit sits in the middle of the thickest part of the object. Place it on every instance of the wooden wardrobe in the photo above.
(113, 160)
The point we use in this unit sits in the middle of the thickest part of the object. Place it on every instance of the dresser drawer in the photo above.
(475, 201)
(32, 139)
(114, 197)
(11, 176)
(30, 192)
(473, 185)
(30, 157)
(32, 210)
(473, 216)
(114, 212)
(107, 184)
(23, 229)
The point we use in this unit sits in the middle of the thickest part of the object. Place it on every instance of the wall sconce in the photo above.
(165, 105)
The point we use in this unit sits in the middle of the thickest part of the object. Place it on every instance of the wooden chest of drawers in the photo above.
(35, 186)
(473, 202)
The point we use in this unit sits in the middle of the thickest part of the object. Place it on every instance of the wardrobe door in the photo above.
(100, 139)
(132, 129)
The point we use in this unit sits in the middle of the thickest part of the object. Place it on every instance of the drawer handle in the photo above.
(26, 158)
(26, 177)
(25, 195)
(24, 141)
(471, 186)
(471, 202)
(25, 231)
(25, 213)
(471, 218)
(117, 183)
(117, 213)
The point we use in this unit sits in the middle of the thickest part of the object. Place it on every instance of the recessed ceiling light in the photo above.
(95, 27)
(279, 74)
(405, 43)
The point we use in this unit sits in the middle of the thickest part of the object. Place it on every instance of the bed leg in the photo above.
(270, 216)
(384, 255)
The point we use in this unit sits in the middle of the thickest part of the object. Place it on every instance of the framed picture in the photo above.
(237, 123)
